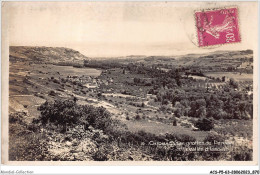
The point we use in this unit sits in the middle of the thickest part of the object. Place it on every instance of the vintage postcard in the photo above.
(129, 83)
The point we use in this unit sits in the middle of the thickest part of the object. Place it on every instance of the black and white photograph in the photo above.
(130, 82)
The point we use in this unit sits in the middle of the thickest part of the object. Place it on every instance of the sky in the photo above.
(103, 29)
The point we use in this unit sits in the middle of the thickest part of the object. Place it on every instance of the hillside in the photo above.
(46, 54)
(214, 60)
(114, 111)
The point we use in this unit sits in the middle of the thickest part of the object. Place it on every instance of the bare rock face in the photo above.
(45, 54)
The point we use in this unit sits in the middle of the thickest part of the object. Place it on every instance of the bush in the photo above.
(178, 112)
(16, 117)
(233, 83)
(25, 145)
(243, 153)
(52, 93)
(174, 123)
(99, 156)
(137, 117)
(56, 81)
(205, 124)
(214, 137)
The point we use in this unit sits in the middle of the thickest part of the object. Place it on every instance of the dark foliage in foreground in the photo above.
(68, 114)
(205, 124)
(27, 142)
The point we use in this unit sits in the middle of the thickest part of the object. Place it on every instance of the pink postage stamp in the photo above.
(218, 26)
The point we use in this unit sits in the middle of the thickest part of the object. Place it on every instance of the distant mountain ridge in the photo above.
(46, 54)
(211, 59)
(67, 55)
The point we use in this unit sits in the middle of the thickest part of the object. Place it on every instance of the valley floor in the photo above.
(31, 85)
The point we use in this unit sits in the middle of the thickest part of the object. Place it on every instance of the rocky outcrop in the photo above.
(45, 54)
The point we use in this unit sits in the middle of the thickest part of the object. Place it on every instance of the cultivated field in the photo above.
(235, 75)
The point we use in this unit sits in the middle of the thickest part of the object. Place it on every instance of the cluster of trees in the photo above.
(200, 104)
(140, 81)
(171, 78)
(226, 103)
(69, 114)
(70, 63)
(205, 124)
(104, 64)
(168, 86)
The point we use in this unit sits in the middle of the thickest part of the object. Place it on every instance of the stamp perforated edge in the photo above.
(212, 9)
